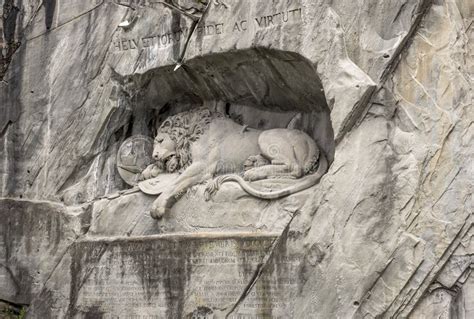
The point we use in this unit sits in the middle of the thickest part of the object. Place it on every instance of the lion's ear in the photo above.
(166, 124)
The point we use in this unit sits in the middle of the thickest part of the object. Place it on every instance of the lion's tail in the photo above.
(305, 183)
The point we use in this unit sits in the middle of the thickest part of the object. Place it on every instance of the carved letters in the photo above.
(149, 274)
(177, 35)
(159, 40)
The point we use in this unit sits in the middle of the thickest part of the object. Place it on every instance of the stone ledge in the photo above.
(183, 236)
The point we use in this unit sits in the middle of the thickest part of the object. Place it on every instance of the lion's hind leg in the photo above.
(270, 171)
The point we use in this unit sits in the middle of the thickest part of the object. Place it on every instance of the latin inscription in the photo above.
(160, 40)
(160, 278)
(177, 35)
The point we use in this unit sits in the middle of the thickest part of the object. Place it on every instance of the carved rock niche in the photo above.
(218, 251)
(258, 89)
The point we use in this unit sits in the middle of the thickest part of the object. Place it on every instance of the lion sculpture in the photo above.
(201, 145)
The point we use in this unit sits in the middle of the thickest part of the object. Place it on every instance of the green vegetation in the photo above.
(13, 313)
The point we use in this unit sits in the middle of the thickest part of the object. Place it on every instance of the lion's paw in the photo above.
(211, 188)
(158, 212)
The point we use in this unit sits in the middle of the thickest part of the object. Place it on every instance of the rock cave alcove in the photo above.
(265, 88)
(259, 88)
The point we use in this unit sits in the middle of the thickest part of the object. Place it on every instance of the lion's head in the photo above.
(176, 134)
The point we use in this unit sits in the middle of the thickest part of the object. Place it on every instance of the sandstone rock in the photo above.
(35, 237)
(173, 276)
(383, 87)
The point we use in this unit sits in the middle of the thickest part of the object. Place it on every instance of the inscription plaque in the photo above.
(180, 276)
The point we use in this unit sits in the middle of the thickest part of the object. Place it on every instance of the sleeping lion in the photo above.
(201, 145)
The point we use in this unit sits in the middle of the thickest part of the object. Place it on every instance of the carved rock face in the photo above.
(384, 88)
(211, 144)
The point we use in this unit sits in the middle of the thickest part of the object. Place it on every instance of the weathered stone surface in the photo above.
(383, 87)
(174, 276)
(34, 238)
(451, 294)
(415, 181)
(83, 138)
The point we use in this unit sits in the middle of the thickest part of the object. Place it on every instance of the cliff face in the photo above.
(385, 89)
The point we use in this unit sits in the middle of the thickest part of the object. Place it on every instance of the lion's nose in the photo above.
(156, 156)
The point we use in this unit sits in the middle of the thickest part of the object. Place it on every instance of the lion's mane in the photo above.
(185, 128)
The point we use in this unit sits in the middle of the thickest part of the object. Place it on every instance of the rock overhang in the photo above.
(271, 80)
